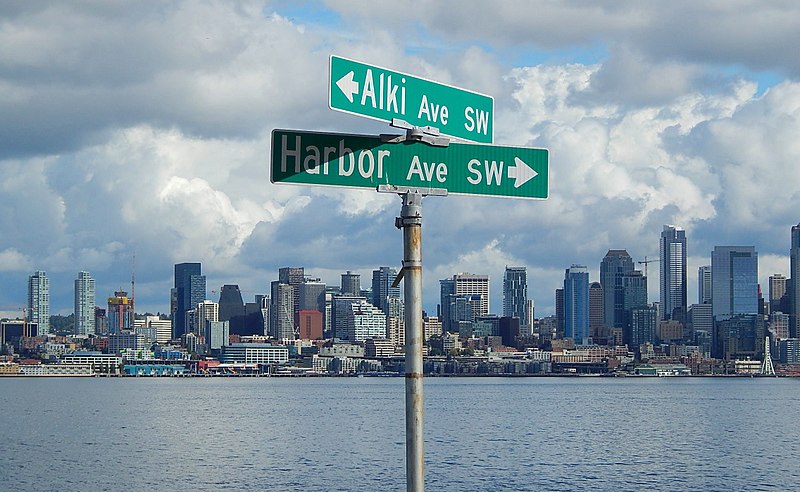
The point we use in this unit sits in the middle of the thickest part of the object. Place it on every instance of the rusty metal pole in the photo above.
(411, 222)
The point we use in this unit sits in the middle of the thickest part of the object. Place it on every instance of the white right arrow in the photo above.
(522, 173)
(348, 86)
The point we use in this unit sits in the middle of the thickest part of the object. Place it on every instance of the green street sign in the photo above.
(375, 92)
(364, 161)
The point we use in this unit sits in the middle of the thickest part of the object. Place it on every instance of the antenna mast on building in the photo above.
(133, 287)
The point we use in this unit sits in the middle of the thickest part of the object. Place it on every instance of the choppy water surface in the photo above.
(321, 434)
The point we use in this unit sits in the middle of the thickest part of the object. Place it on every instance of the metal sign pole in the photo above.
(410, 221)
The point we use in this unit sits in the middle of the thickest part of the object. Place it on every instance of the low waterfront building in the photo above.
(342, 350)
(375, 348)
(254, 353)
(56, 370)
(99, 362)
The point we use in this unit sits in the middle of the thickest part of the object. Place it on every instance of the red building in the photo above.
(309, 324)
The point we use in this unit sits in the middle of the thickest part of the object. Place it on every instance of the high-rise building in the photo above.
(189, 291)
(206, 311)
(576, 303)
(217, 334)
(293, 276)
(84, 304)
(231, 305)
(382, 290)
(704, 284)
(596, 319)
(447, 287)
(515, 295)
(734, 284)
(634, 299)
(559, 331)
(794, 286)
(477, 287)
(363, 321)
(615, 264)
(282, 311)
(673, 273)
(351, 283)
(120, 313)
(39, 301)
(778, 294)
(734, 300)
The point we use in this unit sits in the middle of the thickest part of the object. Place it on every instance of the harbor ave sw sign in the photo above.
(382, 94)
(361, 161)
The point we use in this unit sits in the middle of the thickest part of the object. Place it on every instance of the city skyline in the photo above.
(187, 273)
(157, 146)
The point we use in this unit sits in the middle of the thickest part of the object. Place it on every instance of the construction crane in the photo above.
(646, 261)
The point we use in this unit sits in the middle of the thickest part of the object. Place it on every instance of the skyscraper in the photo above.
(447, 288)
(39, 301)
(515, 295)
(704, 284)
(596, 319)
(293, 276)
(778, 290)
(734, 280)
(231, 305)
(351, 283)
(282, 311)
(189, 290)
(794, 286)
(120, 313)
(636, 329)
(84, 304)
(673, 273)
(576, 303)
(615, 264)
(477, 287)
(382, 289)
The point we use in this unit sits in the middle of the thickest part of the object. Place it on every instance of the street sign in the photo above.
(364, 161)
(378, 93)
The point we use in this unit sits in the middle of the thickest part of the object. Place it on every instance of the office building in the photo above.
(309, 324)
(382, 290)
(282, 311)
(704, 284)
(293, 276)
(217, 334)
(615, 264)
(189, 291)
(576, 303)
(794, 286)
(560, 322)
(515, 295)
(477, 287)
(447, 288)
(360, 321)
(84, 304)
(596, 318)
(39, 301)
(634, 298)
(231, 308)
(351, 283)
(734, 284)
(205, 311)
(119, 313)
(673, 273)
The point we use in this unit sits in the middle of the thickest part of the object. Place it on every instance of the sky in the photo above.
(142, 129)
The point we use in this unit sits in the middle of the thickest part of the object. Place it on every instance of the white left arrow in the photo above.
(348, 86)
(522, 173)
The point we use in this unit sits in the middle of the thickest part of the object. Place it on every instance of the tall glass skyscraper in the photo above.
(190, 290)
(794, 302)
(84, 304)
(615, 264)
(704, 284)
(515, 294)
(673, 273)
(576, 303)
(39, 301)
(734, 280)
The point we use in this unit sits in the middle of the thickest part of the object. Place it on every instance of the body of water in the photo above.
(321, 434)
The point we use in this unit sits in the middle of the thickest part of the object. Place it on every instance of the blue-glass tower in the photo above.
(190, 290)
(576, 303)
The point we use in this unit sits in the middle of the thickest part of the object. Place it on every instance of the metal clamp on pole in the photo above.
(426, 134)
